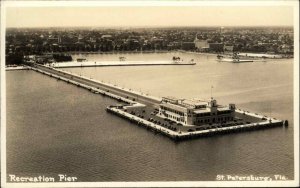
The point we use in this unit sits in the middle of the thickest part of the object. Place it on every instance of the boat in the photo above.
(122, 58)
(81, 60)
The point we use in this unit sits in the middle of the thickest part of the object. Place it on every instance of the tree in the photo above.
(16, 59)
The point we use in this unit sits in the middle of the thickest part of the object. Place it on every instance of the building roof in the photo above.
(223, 108)
(106, 36)
(171, 98)
(175, 107)
(202, 110)
(194, 102)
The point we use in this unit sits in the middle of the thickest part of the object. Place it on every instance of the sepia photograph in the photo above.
(150, 94)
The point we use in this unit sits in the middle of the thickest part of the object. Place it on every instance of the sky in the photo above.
(148, 16)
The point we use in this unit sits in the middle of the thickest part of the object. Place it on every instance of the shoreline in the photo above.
(244, 54)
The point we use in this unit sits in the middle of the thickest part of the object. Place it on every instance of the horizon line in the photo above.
(183, 26)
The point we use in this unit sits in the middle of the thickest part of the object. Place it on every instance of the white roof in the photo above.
(174, 106)
(203, 110)
(194, 102)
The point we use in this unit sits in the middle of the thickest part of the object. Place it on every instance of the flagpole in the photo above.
(211, 91)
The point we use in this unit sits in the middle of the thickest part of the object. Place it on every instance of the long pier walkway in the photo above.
(109, 88)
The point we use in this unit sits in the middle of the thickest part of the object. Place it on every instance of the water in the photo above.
(53, 127)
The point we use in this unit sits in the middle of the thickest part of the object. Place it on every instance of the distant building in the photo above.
(195, 112)
(106, 37)
(286, 49)
(216, 47)
(173, 45)
(228, 48)
(187, 45)
(201, 45)
(52, 39)
(41, 59)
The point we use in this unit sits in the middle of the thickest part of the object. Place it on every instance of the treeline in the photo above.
(18, 58)
(14, 59)
(62, 57)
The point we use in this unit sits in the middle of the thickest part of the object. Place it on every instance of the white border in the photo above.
(296, 93)
(293, 3)
(150, 3)
(3, 98)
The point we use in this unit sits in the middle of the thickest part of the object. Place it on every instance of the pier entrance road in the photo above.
(142, 98)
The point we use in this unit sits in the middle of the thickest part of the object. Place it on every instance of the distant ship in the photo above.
(81, 59)
(233, 59)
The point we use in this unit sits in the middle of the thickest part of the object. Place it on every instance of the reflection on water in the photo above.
(53, 127)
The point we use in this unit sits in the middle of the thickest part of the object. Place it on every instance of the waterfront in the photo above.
(83, 142)
(249, 84)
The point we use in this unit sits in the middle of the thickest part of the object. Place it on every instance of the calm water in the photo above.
(53, 127)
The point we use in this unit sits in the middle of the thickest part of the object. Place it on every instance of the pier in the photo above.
(180, 135)
(117, 63)
(95, 85)
(142, 108)
(17, 68)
